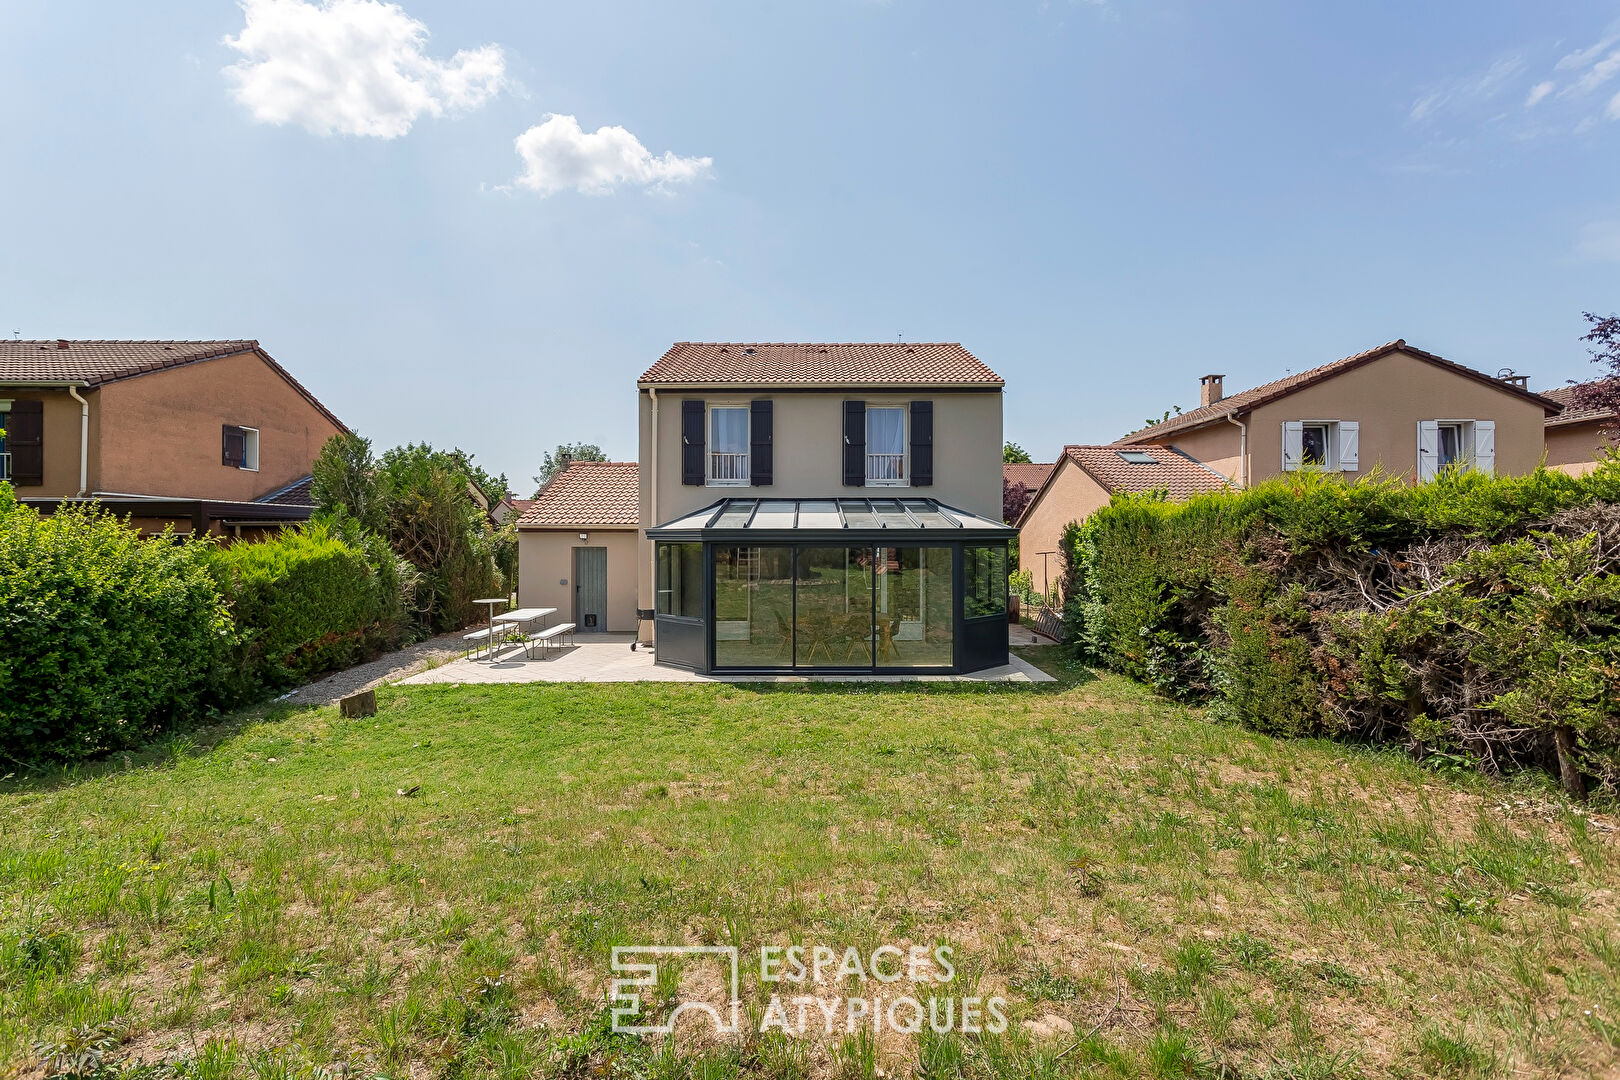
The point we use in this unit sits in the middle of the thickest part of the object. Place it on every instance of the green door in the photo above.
(590, 589)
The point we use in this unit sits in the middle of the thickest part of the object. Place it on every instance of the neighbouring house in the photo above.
(830, 507)
(577, 545)
(1084, 479)
(1577, 435)
(508, 508)
(1030, 474)
(211, 436)
(1398, 408)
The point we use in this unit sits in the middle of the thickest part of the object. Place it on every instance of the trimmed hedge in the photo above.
(105, 638)
(309, 600)
(1470, 615)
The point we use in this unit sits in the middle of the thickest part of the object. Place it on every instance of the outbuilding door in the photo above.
(590, 589)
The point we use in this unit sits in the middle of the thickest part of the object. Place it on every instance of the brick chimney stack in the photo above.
(1209, 389)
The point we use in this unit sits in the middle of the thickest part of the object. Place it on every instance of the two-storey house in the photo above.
(822, 507)
(212, 436)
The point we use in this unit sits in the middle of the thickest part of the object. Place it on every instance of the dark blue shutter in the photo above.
(760, 461)
(692, 442)
(854, 444)
(25, 441)
(233, 446)
(922, 443)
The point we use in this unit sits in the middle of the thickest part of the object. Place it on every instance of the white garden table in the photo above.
(521, 618)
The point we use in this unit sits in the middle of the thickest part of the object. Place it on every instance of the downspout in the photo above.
(652, 490)
(84, 441)
(1243, 448)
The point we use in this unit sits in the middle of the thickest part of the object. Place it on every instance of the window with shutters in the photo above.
(728, 446)
(1330, 445)
(5, 458)
(239, 447)
(1455, 444)
(885, 446)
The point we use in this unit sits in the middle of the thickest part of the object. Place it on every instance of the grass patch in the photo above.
(1161, 895)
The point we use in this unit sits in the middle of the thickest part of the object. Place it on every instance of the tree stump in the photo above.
(362, 704)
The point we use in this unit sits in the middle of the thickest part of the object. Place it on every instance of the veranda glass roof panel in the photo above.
(776, 514)
(819, 514)
(826, 518)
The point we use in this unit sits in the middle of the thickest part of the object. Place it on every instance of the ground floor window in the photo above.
(984, 581)
(680, 580)
(845, 606)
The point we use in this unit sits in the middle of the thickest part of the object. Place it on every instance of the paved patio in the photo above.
(609, 658)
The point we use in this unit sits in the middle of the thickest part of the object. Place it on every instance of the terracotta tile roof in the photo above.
(588, 493)
(1245, 400)
(1170, 470)
(97, 362)
(903, 363)
(1572, 413)
(296, 493)
(1032, 476)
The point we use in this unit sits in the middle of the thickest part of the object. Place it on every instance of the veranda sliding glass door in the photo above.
(915, 613)
(833, 607)
(753, 606)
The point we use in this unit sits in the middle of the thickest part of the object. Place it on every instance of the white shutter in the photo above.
(1485, 446)
(1428, 449)
(1349, 446)
(1293, 436)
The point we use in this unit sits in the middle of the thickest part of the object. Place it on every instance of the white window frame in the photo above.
(250, 449)
(1469, 455)
(904, 408)
(1334, 437)
(5, 455)
(709, 451)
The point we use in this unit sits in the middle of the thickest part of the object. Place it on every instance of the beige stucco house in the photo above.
(1578, 435)
(1395, 408)
(577, 544)
(1084, 479)
(211, 435)
(828, 506)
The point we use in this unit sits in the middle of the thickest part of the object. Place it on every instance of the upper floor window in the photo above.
(5, 458)
(240, 447)
(885, 445)
(728, 445)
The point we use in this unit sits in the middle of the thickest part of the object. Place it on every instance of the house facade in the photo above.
(1396, 408)
(577, 546)
(1579, 434)
(211, 435)
(822, 506)
(1084, 479)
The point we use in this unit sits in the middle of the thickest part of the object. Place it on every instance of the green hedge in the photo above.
(1471, 615)
(309, 600)
(105, 638)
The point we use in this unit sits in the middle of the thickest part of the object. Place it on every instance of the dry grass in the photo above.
(1193, 899)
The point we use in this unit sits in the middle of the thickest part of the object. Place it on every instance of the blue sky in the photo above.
(1101, 200)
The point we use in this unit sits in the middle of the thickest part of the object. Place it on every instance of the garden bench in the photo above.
(558, 634)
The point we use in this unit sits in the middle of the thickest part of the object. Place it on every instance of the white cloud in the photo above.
(558, 155)
(1599, 242)
(1539, 92)
(1463, 92)
(352, 67)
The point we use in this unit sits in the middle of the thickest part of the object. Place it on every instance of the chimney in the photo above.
(61, 343)
(1209, 389)
(1513, 378)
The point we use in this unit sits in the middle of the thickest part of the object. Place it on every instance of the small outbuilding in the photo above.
(577, 546)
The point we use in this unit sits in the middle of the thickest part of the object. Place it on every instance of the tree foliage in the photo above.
(1602, 393)
(559, 459)
(1013, 454)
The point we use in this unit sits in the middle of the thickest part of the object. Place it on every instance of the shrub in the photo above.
(105, 638)
(1471, 613)
(309, 600)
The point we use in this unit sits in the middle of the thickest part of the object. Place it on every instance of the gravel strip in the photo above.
(390, 667)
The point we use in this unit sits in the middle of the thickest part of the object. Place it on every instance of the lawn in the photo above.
(435, 890)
